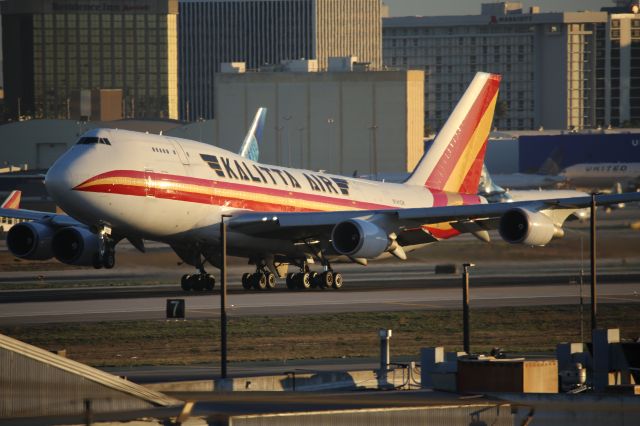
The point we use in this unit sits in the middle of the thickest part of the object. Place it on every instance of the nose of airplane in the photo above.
(58, 180)
(63, 176)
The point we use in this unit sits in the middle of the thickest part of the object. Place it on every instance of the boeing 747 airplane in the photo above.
(117, 185)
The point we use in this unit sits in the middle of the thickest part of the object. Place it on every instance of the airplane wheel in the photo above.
(185, 282)
(315, 281)
(97, 262)
(246, 283)
(271, 280)
(197, 282)
(291, 281)
(259, 281)
(303, 281)
(209, 282)
(326, 279)
(337, 281)
(109, 259)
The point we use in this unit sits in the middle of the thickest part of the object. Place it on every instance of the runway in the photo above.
(317, 302)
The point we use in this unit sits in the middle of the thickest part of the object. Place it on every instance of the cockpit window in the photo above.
(90, 140)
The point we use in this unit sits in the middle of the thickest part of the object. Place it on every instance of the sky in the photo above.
(472, 7)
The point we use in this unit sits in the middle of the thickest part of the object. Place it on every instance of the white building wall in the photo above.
(339, 122)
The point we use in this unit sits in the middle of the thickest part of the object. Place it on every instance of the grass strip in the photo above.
(126, 343)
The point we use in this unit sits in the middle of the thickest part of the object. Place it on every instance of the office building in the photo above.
(342, 122)
(568, 70)
(53, 49)
(267, 32)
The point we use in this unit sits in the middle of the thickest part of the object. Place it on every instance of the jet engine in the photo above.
(75, 246)
(522, 226)
(30, 240)
(358, 238)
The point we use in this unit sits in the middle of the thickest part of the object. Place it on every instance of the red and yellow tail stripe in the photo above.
(460, 166)
(12, 201)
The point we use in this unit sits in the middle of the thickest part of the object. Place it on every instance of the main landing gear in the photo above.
(198, 282)
(305, 280)
(262, 279)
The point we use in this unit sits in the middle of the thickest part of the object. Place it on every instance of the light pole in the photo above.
(286, 119)
(465, 307)
(330, 122)
(594, 292)
(373, 152)
(223, 297)
(300, 131)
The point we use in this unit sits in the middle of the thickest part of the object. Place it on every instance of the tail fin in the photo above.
(250, 147)
(454, 161)
(551, 165)
(12, 201)
(486, 185)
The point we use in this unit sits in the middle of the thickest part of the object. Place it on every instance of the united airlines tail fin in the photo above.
(12, 201)
(249, 148)
(454, 161)
(551, 165)
(487, 186)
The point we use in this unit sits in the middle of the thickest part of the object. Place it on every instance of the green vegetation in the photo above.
(524, 329)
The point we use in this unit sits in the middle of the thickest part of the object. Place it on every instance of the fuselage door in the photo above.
(180, 151)
(149, 183)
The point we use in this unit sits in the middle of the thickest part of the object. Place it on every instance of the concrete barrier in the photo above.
(304, 381)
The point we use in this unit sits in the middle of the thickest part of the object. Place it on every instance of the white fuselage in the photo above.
(172, 190)
(603, 175)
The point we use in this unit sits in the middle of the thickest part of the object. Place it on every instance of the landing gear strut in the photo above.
(198, 282)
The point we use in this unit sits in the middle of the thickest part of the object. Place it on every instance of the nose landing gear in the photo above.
(106, 256)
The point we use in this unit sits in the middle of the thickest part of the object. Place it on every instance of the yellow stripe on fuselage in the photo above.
(223, 193)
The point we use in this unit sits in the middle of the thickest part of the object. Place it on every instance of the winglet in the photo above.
(12, 201)
(250, 147)
(454, 161)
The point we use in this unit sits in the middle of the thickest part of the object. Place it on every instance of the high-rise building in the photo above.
(620, 60)
(53, 49)
(267, 32)
(568, 70)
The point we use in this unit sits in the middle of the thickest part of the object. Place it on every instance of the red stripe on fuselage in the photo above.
(174, 194)
(456, 147)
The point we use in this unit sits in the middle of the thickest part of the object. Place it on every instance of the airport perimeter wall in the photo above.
(302, 381)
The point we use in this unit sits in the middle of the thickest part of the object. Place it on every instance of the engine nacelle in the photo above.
(522, 226)
(75, 246)
(30, 240)
(359, 239)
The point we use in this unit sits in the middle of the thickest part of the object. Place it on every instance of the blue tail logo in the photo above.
(249, 148)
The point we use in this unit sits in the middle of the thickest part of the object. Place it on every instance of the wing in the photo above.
(301, 226)
(54, 219)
